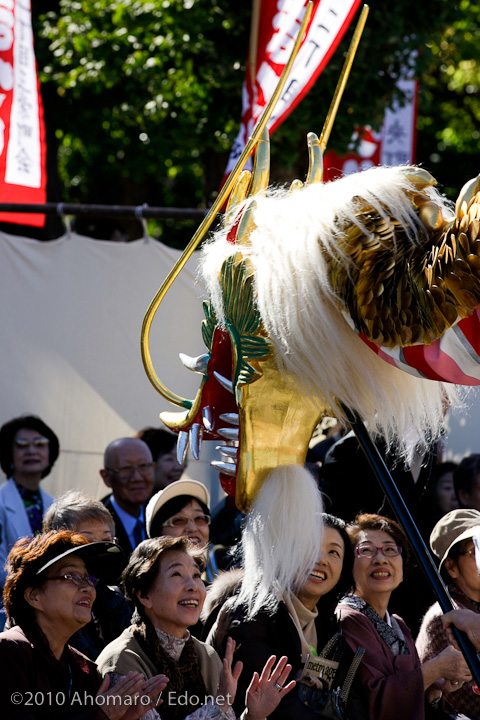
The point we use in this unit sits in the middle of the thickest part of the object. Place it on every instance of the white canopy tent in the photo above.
(70, 350)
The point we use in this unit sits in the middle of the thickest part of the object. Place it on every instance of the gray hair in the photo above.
(73, 508)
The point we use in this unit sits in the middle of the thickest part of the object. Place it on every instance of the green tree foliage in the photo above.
(149, 92)
(449, 118)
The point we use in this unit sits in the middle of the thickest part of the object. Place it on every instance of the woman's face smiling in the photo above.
(326, 573)
(378, 576)
(175, 600)
(60, 606)
(197, 534)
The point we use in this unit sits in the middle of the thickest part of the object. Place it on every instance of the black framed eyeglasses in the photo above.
(370, 551)
(76, 579)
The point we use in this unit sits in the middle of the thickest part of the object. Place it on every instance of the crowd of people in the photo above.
(138, 605)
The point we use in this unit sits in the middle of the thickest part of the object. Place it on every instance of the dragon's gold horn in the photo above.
(261, 172)
(260, 179)
(237, 197)
(315, 160)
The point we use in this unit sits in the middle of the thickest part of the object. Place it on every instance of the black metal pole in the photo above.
(123, 211)
(406, 521)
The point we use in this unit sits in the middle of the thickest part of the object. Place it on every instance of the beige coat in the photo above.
(125, 654)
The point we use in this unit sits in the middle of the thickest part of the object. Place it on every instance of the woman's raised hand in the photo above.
(143, 695)
(227, 686)
(265, 692)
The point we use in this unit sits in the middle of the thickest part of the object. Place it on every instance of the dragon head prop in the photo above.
(303, 284)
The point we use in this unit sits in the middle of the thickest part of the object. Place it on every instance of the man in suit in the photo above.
(128, 471)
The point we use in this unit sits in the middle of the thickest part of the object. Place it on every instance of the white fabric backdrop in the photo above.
(70, 346)
(72, 311)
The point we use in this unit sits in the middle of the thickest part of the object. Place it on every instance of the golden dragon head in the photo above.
(294, 279)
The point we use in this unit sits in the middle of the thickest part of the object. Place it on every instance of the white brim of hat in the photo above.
(95, 555)
(179, 487)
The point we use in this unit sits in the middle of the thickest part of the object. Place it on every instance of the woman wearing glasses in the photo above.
(452, 541)
(392, 681)
(180, 510)
(28, 451)
(48, 596)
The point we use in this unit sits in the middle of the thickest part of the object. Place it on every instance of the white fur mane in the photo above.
(282, 538)
(294, 234)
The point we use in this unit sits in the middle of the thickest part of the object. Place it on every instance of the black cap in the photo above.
(105, 560)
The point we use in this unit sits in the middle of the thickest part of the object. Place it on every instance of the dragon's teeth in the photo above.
(232, 418)
(182, 446)
(224, 467)
(227, 451)
(224, 382)
(229, 433)
(197, 364)
(196, 433)
(208, 418)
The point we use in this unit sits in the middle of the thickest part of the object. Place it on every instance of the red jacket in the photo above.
(36, 686)
(392, 685)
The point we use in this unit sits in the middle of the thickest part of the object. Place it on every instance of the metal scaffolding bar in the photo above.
(139, 211)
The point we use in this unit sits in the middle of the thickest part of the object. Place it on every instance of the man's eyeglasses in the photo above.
(77, 579)
(371, 551)
(128, 471)
(39, 442)
(181, 521)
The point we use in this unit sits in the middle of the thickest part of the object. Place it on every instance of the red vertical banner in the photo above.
(274, 31)
(22, 130)
(395, 144)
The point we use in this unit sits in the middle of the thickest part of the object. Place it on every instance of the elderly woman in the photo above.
(394, 683)
(28, 451)
(452, 542)
(111, 612)
(300, 625)
(163, 580)
(48, 596)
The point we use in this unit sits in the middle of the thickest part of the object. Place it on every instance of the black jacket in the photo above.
(266, 635)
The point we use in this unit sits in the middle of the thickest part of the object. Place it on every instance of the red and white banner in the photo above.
(453, 358)
(270, 48)
(395, 144)
(22, 130)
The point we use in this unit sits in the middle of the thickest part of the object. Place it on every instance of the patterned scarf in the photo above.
(391, 635)
(32, 501)
(185, 677)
